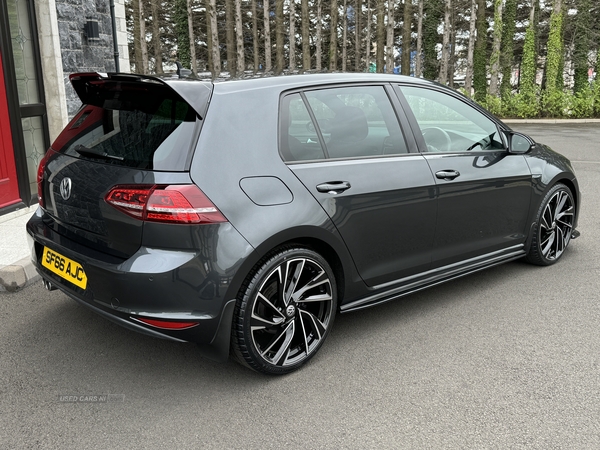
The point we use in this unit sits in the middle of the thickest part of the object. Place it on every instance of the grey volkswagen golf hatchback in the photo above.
(244, 215)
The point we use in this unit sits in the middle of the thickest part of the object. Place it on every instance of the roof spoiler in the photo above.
(195, 92)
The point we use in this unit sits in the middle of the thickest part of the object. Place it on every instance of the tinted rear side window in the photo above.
(351, 122)
(146, 127)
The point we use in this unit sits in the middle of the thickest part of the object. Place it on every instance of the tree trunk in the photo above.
(345, 35)
(453, 55)
(480, 54)
(182, 32)
(406, 37)
(333, 36)
(254, 36)
(292, 35)
(230, 37)
(192, 39)
(471, 47)
(495, 58)
(158, 62)
(209, 45)
(555, 49)
(305, 37)
(527, 85)
(267, 31)
(443, 77)
(318, 42)
(239, 39)
(431, 23)
(279, 36)
(143, 43)
(214, 40)
(137, 42)
(583, 22)
(368, 37)
(507, 49)
(389, 46)
(357, 35)
(379, 60)
(419, 57)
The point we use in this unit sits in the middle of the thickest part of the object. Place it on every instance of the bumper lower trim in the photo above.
(124, 323)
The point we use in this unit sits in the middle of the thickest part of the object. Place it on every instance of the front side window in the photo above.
(449, 124)
(346, 122)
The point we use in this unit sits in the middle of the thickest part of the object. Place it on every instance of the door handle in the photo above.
(333, 187)
(447, 174)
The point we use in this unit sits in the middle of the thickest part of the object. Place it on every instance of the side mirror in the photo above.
(518, 143)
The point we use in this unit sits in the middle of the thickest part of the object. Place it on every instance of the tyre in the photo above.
(554, 226)
(284, 311)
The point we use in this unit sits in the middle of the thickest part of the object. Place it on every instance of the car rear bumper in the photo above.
(159, 284)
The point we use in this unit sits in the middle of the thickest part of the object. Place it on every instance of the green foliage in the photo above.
(581, 104)
(183, 33)
(554, 103)
(515, 106)
(520, 106)
(493, 104)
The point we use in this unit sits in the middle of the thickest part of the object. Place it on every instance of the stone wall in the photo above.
(79, 54)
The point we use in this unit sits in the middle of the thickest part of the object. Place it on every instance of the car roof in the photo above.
(284, 82)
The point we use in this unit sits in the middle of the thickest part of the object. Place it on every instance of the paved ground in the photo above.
(507, 358)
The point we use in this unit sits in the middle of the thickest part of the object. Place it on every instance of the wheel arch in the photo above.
(574, 190)
(326, 251)
(573, 187)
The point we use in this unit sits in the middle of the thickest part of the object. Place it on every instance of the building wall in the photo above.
(51, 62)
(82, 55)
(41, 43)
(122, 36)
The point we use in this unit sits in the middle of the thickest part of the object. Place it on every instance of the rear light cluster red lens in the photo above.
(168, 204)
(166, 324)
(40, 178)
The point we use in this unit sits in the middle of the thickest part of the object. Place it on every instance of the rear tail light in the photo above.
(40, 178)
(167, 204)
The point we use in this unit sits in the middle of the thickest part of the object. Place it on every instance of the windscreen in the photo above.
(141, 125)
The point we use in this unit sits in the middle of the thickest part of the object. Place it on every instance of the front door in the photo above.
(9, 189)
(483, 191)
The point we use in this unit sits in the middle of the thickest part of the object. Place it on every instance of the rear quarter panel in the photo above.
(239, 139)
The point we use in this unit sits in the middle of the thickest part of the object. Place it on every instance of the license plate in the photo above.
(64, 267)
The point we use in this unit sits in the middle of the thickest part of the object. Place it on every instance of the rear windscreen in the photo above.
(131, 124)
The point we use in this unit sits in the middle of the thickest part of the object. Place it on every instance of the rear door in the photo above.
(347, 147)
(484, 191)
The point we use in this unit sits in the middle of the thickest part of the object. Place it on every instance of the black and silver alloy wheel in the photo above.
(554, 226)
(284, 313)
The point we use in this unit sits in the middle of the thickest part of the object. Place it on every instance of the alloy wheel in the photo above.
(291, 312)
(556, 225)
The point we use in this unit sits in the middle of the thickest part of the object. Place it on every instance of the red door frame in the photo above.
(9, 187)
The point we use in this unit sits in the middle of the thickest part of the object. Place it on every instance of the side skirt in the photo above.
(415, 283)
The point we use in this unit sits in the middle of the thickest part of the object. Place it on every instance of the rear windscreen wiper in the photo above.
(84, 151)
